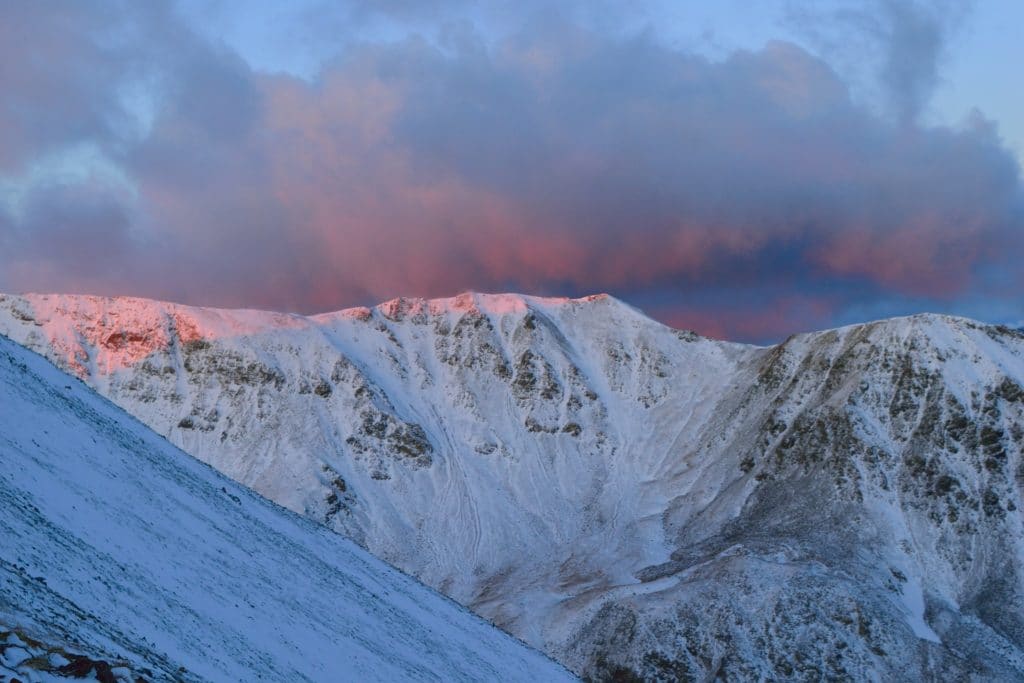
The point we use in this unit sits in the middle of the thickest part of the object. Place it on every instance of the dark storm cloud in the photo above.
(739, 196)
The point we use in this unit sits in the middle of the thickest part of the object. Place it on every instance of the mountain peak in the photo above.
(498, 304)
(481, 303)
(933, 329)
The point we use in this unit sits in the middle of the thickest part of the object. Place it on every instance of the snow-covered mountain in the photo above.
(122, 558)
(632, 499)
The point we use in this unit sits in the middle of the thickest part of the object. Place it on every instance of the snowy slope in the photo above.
(627, 497)
(117, 546)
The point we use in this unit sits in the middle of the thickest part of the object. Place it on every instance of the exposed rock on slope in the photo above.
(23, 658)
(121, 556)
(632, 499)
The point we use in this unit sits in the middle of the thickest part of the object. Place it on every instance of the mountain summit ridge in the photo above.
(625, 496)
(470, 300)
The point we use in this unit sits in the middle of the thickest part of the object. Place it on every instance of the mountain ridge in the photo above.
(396, 308)
(591, 468)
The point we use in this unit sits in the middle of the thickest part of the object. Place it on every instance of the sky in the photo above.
(747, 170)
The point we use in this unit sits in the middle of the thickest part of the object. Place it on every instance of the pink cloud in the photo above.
(563, 161)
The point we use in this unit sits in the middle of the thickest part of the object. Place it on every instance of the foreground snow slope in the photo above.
(630, 498)
(115, 544)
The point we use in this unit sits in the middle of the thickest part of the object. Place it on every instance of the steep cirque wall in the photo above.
(628, 497)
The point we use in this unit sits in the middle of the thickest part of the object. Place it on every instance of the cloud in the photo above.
(55, 62)
(903, 42)
(557, 158)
